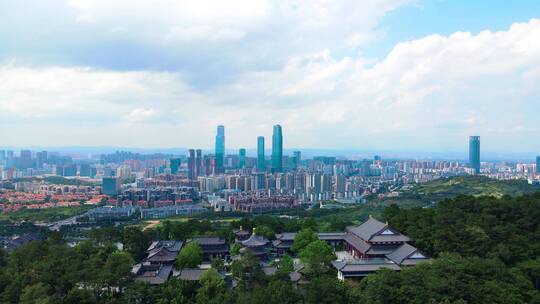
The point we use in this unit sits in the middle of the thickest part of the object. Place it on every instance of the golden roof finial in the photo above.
(370, 216)
(254, 230)
(241, 227)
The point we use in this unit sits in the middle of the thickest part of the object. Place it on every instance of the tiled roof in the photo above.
(208, 240)
(255, 241)
(357, 243)
(403, 255)
(367, 229)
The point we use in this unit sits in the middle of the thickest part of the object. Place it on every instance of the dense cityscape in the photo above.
(164, 185)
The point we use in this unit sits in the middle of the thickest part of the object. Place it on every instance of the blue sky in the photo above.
(366, 75)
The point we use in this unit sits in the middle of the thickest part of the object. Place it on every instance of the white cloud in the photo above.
(435, 90)
(141, 115)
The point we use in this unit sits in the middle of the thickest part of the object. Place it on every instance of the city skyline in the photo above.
(351, 75)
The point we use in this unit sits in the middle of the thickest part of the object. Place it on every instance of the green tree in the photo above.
(303, 238)
(36, 294)
(317, 257)
(190, 256)
(135, 242)
(212, 289)
(235, 249)
(265, 231)
(325, 289)
(285, 265)
(117, 268)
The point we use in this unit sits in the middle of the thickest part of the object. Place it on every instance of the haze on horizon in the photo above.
(376, 74)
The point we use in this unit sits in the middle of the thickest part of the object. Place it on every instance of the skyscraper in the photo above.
(191, 164)
(220, 148)
(474, 153)
(175, 164)
(198, 163)
(297, 158)
(538, 164)
(242, 158)
(260, 154)
(277, 149)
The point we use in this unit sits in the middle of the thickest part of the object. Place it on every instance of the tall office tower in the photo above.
(25, 160)
(174, 164)
(220, 148)
(191, 164)
(474, 153)
(277, 149)
(538, 164)
(85, 170)
(208, 165)
(41, 158)
(260, 154)
(198, 163)
(242, 158)
(297, 158)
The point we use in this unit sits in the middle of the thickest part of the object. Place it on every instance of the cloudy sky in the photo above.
(370, 74)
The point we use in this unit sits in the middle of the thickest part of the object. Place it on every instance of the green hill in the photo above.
(438, 190)
(475, 186)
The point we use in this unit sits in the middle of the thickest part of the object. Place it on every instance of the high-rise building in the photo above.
(538, 164)
(297, 158)
(41, 158)
(198, 163)
(242, 158)
(174, 164)
(474, 153)
(220, 149)
(191, 164)
(260, 154)
(85, 170)
(277, 149)
(110, 186)
(25, 161)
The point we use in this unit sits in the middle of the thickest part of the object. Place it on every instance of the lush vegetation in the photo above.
(485, 249)
(47, 215)
(425, 194)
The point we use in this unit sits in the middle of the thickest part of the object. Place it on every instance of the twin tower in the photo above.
(277, 150)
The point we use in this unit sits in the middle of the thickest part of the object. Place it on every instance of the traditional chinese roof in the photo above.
(358, 243)
(406, 255)
(191, 274)
(208, 241)
(375, 231)
(362, 267)
(286, 236)
(255, 241)
(368, 229)
(152, 273)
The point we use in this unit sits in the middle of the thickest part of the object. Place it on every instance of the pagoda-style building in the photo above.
(241, 234)
(257, 244)
(375, 245)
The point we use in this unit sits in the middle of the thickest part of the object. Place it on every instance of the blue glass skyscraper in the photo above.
(474, 153)
(242, 158)
(277, 149)
(260, 154)
(538, 164)
(220, 148)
